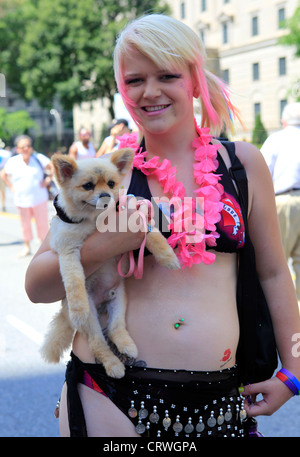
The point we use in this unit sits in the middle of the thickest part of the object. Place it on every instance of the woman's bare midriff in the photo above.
(204, 296)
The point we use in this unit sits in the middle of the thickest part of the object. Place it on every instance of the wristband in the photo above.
(289, 380)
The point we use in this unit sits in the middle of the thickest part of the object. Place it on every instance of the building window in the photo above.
(282, 66)
(283, 104)
(257, 109)
(255, 71)
(202, 35)
(225, 75)
(225, 32)
(254, 26)
(182, 10)
(281, 18)
(10, 102)
(203, 5)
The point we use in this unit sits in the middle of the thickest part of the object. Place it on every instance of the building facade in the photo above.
(243, 38)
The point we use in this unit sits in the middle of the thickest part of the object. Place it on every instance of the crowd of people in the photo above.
(28, 174)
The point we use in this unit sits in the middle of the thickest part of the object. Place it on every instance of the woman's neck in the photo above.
(172, 146)
(26, 158)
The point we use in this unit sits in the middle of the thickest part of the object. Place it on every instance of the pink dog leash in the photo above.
(136, 270)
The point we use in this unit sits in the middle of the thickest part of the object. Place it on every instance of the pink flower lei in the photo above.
(191, 243)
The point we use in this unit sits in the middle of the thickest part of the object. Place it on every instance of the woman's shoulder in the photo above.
(42, 158)
(250, 157)
(12, 161)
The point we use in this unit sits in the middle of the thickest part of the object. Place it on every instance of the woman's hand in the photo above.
(46, 181)
(274, 392)
(123, 230)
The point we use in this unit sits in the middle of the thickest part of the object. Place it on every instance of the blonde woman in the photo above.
(185, 322)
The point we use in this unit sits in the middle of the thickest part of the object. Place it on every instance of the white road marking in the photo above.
(26, 329)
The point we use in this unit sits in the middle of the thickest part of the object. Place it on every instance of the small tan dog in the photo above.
(84, 186)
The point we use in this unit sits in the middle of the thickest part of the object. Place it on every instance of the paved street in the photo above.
(29, 387)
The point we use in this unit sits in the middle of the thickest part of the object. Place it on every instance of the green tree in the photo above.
(293, 37)
(13, 124)
(259, 134)
(63, 48)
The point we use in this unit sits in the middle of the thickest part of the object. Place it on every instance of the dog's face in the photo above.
(84, 182)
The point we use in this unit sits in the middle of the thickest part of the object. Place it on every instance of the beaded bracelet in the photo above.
(289, 380)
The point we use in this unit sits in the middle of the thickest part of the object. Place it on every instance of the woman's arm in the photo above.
(73, 151)
(6, 179)
(274, 274)
(102, 150)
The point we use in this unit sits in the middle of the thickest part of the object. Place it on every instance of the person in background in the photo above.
(281, 151)
(83, 148)
(185, 323)
(5, 154)
(111, 142)
(24, 174)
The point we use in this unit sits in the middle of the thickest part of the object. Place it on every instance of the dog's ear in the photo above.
(64, 167)
(122, 159)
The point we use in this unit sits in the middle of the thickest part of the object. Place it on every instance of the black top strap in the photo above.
(238, 174)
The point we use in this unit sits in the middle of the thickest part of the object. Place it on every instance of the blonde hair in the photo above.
(169, 42)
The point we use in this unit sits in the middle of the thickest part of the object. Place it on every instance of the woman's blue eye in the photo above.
(171, 76)
(88, 186)
(133, 81)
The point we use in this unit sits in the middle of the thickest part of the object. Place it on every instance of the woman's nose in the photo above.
(152, 89)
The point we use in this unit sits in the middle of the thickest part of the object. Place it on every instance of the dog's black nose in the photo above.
(104, 194)
(104, 200)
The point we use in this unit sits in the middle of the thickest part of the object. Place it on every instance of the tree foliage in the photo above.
(63, 48)
(259, 134)
(13, 124)
(293, 37)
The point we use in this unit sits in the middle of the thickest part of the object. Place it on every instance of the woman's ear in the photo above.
(196, 91)
(195, 82)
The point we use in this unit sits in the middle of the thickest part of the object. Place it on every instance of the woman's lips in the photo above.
(154, 109)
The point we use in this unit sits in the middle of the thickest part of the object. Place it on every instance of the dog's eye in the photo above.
(89, 186)
(111, 183)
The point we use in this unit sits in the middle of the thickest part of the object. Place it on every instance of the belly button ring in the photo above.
(178, 324)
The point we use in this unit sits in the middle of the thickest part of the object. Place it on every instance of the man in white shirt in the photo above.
(281, 151)
(24, 175)
(82, 149)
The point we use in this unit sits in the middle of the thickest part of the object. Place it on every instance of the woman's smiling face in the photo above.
(161, 98)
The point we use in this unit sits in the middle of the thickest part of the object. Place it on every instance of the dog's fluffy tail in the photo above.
(58, 338)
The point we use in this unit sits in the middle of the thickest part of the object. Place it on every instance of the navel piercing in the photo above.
(178, 324)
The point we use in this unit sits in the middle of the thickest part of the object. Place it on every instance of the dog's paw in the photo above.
(129, 349)
(115, 368)
(78, 318)
(124, 343)
(170, 261)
